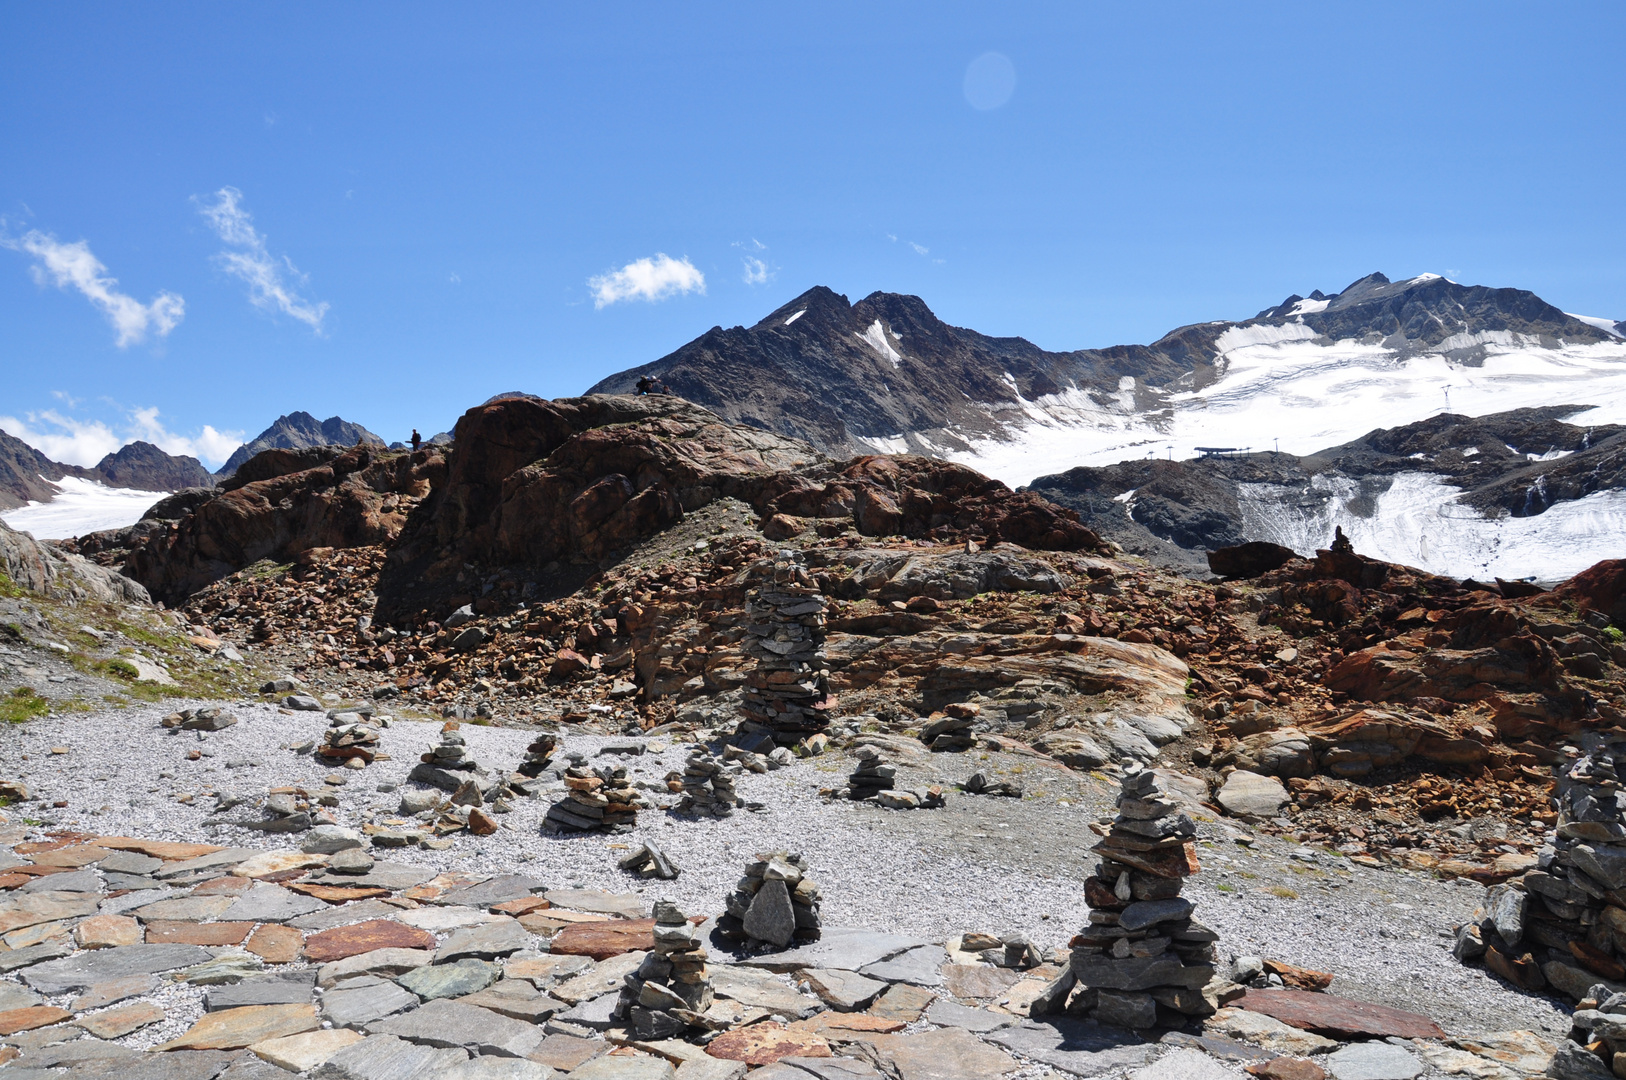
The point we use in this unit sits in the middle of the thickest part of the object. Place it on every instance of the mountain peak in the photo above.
(300, 430)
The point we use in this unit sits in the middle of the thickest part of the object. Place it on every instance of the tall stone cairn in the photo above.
(774, 904)
(707, 785)
(1142, 961)
(595, 798)
(787, 695)
(1562, 926)
(672, 986)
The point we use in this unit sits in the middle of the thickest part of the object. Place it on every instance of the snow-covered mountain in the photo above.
(886, 375)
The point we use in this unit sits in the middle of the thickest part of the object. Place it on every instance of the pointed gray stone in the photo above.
(770, 917)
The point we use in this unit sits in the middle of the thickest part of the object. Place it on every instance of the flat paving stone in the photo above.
(119, 905)
(1267, 1032)
(546, 968)
(283, 988)
(346, 914)
(276, 944)
(565, 1052)
(486, 1067)
(710, 1068)
(384, 875)
(625, 905)
(128, 862)
(362, 1000)
(119, 1022)
(88, 969)
(22, 959)
(107, 932)
(603, 939)
(439, 920)
(451, 1023)
(1329, 1014)
(947, 1013)
(185, 909)
(226, 967)
(834, 1068)
(271, 903)
(436, 981)
(944, 1054)
(114, 990)
(843, 990)
(234, 1029)
(602, 978)
(73, 1053)
(495, 890)
(978, 982)
(767, 1043)
(921, 966)
(595, 1013)
(364, 937)
(517, 999)
(30, 1017)
(1075, 1046)
(383, 962)
(80, 881)
(384, 1057)
(764, 990)
(485, 942)
(160, 932)
(307, 1050)
(13, 996)
(624, 1068)
(220, 859)
(903, 1002)
(1373, 1061)
(848, 948)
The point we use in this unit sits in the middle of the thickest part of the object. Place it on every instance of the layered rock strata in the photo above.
(1142, 961)
(787, 696)
(774, 904)
(671, 987)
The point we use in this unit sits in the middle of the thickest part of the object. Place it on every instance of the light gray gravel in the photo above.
(992, 864)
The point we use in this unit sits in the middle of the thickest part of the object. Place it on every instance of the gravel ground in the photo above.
(991, 864)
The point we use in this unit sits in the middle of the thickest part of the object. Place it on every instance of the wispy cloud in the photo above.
(919, 249)
(73, 266)
(647, 279)
(76, 441)
(757, 269)
(273, 282)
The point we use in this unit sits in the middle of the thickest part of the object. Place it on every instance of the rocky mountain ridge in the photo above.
(26, 475)
(299, 431)
(885, 374)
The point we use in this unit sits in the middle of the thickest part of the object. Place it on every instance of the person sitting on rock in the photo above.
(645, 385)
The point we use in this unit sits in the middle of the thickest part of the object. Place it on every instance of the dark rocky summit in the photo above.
(886, 373)
(144, 467)
(299, 431)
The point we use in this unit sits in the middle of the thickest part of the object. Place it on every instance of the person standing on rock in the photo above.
(417, 440)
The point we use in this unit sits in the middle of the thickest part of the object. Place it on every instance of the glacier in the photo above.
(83, 506)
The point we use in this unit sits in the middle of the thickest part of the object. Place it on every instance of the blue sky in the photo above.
(214, 213)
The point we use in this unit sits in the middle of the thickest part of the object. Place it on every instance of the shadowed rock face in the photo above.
(577, 480)
(143, 466)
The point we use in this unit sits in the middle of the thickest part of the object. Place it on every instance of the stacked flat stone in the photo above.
(350, 736)
(774, 904)
(539, 755)
(708, 786)
(449, 766)
(787, 695)
(1142, 961)
(1560, 928)
(596, 798)
(953, 731)
(872, 776)
(672, 987)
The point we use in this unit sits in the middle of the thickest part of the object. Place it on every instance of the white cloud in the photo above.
(65, 265)
(919, 250)
(273, 283)
(647, 279)
(85, 442)
(756, 271)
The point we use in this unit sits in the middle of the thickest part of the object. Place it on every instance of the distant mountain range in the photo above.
(26, 475)
(300, 431)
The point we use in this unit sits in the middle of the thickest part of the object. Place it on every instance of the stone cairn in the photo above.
(707, 786)
(538, 755)
(1561, 927)
(1142, 961)
(774, 904)
(449, 766)
(872, 776)
(787, 694)
(952, 731)
(596, 799)
(350, 737)
(672, 987)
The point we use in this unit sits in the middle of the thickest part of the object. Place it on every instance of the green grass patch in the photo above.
(1282, 892)
(9, 588)
(22, 704)
(122, 669)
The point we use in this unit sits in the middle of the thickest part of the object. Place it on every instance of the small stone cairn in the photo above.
(708, 786)
(774, 904)
(597, 798)
(872, 776)
(449, 766)
(1142, 961)
(672, 987)
(350, 737)
(787, 694)
(952, 732)
(1559, 927)
(538, 755)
